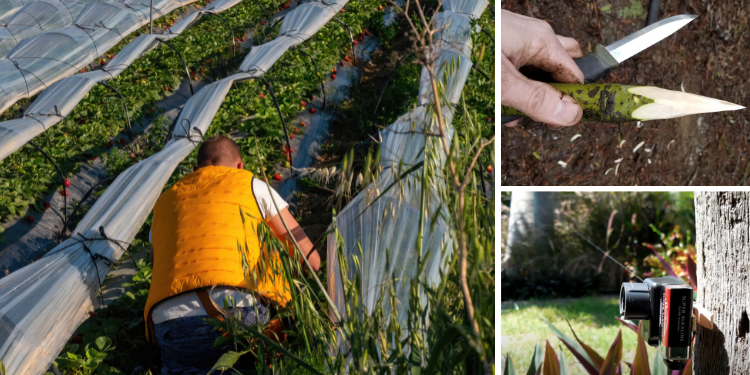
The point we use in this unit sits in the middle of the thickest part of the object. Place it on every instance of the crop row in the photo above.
(94, 125)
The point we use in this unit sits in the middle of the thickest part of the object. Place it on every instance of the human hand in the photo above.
(528, 41)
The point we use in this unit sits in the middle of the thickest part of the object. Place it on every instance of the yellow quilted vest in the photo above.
(195, 234)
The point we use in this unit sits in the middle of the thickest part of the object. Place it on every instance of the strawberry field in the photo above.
(367, 72)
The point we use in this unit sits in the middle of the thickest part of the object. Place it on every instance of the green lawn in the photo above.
(592, 318)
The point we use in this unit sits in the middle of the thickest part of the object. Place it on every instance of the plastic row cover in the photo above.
(61, 98)
(37, 17)
(390, 224)
(43, 303)
(37, 62)
(9, 7)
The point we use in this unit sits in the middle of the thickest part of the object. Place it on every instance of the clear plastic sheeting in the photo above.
(471, 8)
(37, 17)
(387, 227)
(39, 61)
(43, 303)
(9, 7)
(60, 98)
(390, 224)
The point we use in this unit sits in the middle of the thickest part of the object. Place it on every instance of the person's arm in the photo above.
(277, 226)
(530, 42)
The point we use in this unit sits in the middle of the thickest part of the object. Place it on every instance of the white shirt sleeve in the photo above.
(266, 199)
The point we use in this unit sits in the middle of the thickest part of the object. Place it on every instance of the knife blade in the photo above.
(604, 59)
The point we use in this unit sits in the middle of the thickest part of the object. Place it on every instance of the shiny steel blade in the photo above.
(646, 37)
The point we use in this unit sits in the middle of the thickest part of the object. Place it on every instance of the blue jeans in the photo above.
(187, 344)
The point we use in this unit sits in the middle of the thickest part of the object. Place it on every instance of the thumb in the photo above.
(538, 100)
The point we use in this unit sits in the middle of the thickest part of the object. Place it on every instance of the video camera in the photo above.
(665, 307)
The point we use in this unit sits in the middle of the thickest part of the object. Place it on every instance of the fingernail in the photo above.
(566, 110)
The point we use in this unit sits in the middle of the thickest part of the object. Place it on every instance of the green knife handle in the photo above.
(596, 64)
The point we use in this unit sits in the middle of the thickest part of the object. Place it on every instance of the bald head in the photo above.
(219, 151)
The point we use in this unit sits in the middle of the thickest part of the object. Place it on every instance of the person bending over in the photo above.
(196, 230)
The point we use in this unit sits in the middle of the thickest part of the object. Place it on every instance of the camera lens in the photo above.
(634, 301)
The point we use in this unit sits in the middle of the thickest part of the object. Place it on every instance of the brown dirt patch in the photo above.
(708, 57)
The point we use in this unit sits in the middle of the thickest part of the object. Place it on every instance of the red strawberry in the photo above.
(92, 314)
(83, 70)
(312, 97)
(313, 110)
(262, 22)
(94, 158)
(111, 143)
(122, 140)
(342, 10)
(382, 7)
(303, 103)
(489, 168)
(30, 219)
(46, 205)
(291, 136)
(303, 123)
(361, 38)
(64, 193)
(77, 339)
(354, 42)
(367, 32)
(66, 183)
(262, 95)
(242, 39)
(333, 76)
(277, 177)
(296, 131)
(334, 71)
(166, 88)
(346, 58)
(342, 63)
(489, 119)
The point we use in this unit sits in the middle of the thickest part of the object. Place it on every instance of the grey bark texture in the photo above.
(722, 225)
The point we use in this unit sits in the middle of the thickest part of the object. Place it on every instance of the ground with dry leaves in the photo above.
(706, 57)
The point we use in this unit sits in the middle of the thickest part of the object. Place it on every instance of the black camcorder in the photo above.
(665, 307)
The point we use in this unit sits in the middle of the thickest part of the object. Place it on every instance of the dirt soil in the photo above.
(707, 57)
(315, 205)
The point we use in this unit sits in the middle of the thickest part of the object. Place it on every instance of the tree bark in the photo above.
(723, 269)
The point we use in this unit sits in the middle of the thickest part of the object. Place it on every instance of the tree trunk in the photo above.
(722, 227)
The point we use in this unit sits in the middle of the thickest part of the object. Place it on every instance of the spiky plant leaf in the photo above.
(658, 367)
(536, 360)
(640, 362)
(551, 365)
(614, 356)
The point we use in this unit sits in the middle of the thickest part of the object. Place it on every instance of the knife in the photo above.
(605, 59)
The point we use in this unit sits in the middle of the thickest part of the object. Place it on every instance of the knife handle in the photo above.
(596, 64)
